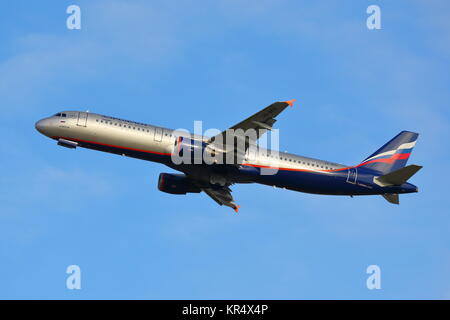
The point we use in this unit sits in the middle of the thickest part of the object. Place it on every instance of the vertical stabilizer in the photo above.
(393, 155)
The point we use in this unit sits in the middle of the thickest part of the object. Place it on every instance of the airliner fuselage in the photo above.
(152, 143)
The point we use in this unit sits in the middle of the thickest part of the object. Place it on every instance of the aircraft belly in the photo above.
(315, 182)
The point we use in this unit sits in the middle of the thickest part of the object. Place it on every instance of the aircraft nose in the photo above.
(41, 125)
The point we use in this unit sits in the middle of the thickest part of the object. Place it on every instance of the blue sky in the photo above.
(170, 63)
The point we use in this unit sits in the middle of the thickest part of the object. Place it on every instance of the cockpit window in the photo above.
(63, 115)
(57, 115)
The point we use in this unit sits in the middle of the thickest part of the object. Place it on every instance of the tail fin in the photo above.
(393, 155)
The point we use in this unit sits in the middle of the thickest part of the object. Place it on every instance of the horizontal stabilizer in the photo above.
(392, 198)
(399, 176)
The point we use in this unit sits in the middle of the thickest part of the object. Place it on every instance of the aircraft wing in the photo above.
(260, 122)
(222, 196)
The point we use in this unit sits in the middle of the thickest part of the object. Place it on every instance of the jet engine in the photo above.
(176, 184)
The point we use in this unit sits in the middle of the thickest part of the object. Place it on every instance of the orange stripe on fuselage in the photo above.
(394, 157)
(291, 169)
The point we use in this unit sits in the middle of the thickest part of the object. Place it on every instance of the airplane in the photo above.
(382, 173)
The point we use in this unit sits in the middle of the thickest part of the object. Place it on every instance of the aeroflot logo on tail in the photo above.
(228, 147)
(401, 152)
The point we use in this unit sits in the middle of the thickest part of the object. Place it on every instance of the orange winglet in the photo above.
(237, 209)
(290, 102)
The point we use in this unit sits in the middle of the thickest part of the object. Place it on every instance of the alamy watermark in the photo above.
(374, 280)
(373, 22)
(73, 281)
(73, 21)
(234, 147)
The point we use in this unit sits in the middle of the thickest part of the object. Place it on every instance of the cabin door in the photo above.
(158, 134)
(82, 119)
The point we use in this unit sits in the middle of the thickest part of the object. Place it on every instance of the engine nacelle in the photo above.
(176, 184)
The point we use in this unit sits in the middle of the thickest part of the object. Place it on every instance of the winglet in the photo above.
(290, 102)
(236, 208)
